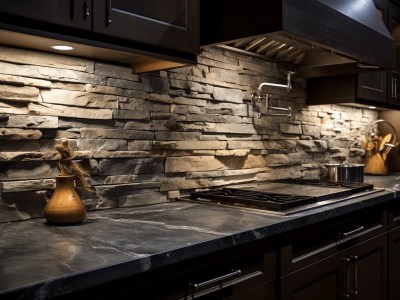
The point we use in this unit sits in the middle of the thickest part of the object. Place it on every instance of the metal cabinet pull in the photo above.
(217, 279)
(349, 233)
(346, 293)
(108, 12)
(392, 86)
(395, 88)
(354, 261)
(86, 8)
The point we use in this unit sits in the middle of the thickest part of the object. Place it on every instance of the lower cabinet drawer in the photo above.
(315, 242)
(230, 278)
(232, 274)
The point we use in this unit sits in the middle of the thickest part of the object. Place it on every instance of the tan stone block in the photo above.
(37, 58)
(19, 93)
(77, 98)
(185, 184)
(26, 121)
(19, 134)
(68, 111)
(18, 80)
(189, 145)
(192, 164)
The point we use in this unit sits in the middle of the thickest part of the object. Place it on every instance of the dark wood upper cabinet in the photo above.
(173, 25)
(72, 14)
(148, 34)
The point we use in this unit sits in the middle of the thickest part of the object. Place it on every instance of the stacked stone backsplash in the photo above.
(152, 137)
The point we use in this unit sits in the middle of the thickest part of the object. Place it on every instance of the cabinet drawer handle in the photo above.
(354, 261)
(217, 279)
(349, 233)
(86, 8)
(108, 12)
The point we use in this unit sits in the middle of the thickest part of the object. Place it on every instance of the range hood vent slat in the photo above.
(299, 33)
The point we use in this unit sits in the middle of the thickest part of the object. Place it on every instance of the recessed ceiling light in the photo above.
(371, 107)
(62, 47)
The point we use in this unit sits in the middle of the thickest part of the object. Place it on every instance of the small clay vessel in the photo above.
(65, 207)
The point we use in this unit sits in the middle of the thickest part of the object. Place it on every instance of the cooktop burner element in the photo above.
(285, 194)
(257, 199)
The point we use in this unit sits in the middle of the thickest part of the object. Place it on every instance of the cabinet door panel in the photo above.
(322, 280)
(368, 276)
(394, 265)
(69, 13)
(372, 86)
(171, 24)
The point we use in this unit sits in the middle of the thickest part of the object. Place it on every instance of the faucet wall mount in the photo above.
(260, 96)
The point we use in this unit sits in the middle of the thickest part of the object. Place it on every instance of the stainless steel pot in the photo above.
(343, 172)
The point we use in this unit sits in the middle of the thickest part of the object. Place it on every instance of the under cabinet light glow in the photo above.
(62, 47)
(372, 107)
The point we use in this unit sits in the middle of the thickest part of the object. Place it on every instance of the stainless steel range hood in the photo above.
(317, 37)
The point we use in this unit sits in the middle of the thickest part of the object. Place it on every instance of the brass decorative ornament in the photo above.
(65, 206)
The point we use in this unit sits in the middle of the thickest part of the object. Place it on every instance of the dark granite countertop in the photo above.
(38, 261)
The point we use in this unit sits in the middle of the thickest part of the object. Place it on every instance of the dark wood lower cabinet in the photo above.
(394, 264)
(321, 280)
(358, 272)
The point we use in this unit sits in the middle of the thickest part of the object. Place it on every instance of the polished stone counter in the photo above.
(38, 261)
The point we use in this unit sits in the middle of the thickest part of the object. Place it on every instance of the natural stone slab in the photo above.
(18, 80)
(22, 205)
(228, 95)
(135, 104)
(23, 121)
(290, 128)
(281, 173)
(131, 115)
(142, 199)
(192, 164)
(19, 93)
(37, 58)
(120, 154)
(13, 107)
(28, 156)
(67, 111)
(226, 173)
(94, 133)
(187, 109)
(102, 144)
(176, 136)
(28, 170)
(284, 159)
(216, 118)
(128, 84)
(120, 179)
(237, 152)
(228, 109)
(191, 86)
(131, 166)
(115, 71)
(185, 184)
(313, 146)
(141, 145)
(39, 72)
(76, 98)
(19, 134)
(313, 131)
(154, 125)
(113, 192)
(27, 185)
(188, 145)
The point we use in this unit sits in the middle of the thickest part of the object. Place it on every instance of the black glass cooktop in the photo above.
(282, 195)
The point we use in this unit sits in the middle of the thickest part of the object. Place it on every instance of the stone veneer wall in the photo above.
(152, 137)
